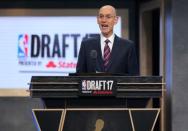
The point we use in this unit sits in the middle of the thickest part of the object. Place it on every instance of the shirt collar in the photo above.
(111, 38)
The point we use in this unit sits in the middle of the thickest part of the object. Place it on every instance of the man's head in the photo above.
(107, 19)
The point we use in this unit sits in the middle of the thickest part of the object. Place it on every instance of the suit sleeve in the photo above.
(81, 64)
(133, 67)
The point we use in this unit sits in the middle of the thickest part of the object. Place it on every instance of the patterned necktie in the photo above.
(106, 54)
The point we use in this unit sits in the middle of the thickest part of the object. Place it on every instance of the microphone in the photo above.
(93, 55)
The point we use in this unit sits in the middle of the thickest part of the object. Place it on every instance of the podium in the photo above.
(98, 103)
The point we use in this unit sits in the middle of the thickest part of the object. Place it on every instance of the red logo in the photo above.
(51, 64)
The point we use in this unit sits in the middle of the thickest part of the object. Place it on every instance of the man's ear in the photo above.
(116, 19)
(97, 20)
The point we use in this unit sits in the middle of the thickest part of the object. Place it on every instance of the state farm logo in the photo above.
(60, 64)
(51, 64)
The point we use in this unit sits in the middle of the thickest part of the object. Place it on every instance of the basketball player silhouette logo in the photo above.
(99, 125)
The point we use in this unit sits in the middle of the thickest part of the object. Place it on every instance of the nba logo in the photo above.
(22, 46)
(84, 85)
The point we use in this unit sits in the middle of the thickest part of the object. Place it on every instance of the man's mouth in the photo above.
(104, 26)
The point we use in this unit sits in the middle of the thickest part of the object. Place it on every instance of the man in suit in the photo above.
(107, 52)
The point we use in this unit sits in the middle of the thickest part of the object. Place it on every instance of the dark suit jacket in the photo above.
(123, 58)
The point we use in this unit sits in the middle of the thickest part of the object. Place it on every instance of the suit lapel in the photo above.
(99, 58)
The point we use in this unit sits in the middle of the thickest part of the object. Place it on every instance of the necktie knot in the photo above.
(107, 41)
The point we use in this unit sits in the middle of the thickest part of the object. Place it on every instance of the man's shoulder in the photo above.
(124, 41)
(91, 39)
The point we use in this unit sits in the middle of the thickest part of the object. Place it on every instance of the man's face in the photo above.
(107, 19)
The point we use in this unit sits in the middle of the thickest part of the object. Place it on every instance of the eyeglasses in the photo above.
(105, 16)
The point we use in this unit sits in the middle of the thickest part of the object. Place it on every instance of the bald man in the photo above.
(107, 52)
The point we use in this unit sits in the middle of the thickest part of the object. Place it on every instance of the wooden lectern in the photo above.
(98, 103)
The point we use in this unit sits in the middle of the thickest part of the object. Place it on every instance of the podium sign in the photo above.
(94, 86)
(122, 86)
